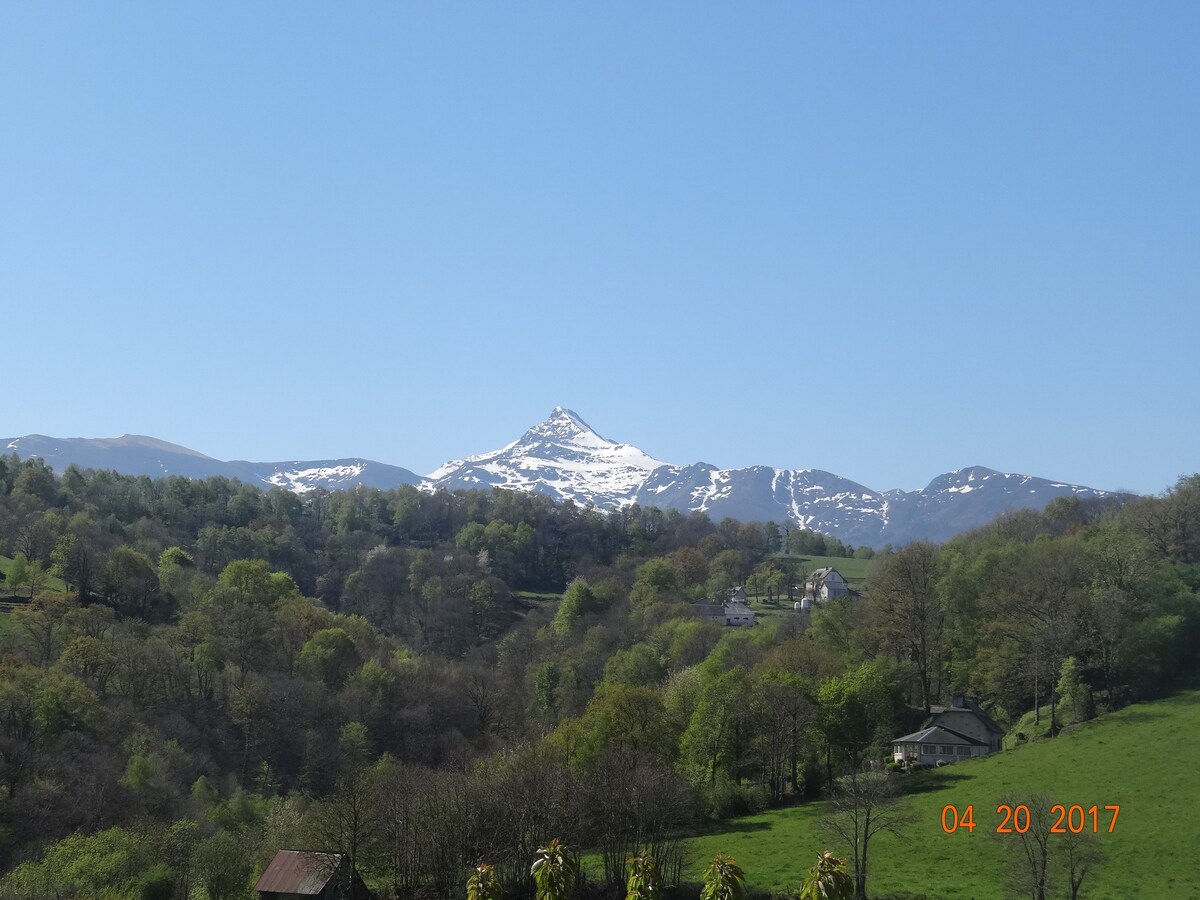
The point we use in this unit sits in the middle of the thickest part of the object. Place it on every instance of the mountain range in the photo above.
(566, 459)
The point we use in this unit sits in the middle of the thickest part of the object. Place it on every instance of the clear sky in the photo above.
(887, 240)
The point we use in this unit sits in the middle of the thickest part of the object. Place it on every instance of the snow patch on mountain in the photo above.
(566, 459)
(563, 457)
(301, 481)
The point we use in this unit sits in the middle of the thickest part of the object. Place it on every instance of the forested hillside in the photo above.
(198, 673)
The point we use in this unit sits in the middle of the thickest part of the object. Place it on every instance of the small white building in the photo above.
(734, 611)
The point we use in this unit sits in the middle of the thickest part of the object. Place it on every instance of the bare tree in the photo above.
(1081, 854)
(1026, 834)
(1039, 594)
(863, 804)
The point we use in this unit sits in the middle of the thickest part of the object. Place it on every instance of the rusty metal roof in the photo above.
(299, 872)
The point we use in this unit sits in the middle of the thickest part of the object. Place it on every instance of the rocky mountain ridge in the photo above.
(563, 457)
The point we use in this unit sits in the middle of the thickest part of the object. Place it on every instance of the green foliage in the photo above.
(18, 573)
(638, 665)
(711, 744)
(249, 581)
(578, 601)
(114, 863)
(63, 703)
(175, 557)
(645, 881)
(223, 866)
(859, 711)
(828, 880)
(723, 879)
(554, 871)
(657, 581)
(621, 721)
(157, 884)
(130, 583)
(412, 650)
(1067, 768)
(483, 883)
(329, 655)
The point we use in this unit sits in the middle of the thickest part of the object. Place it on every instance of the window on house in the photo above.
(929, 750)
(947, 750)
(964, 751)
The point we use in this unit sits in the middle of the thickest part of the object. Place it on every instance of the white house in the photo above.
(734, 611)
(825, 584)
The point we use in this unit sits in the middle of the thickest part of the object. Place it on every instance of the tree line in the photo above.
(428, 680)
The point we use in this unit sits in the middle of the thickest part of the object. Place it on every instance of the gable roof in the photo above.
(299, 872)
(818, 575)
(938, 735)
(973, 708)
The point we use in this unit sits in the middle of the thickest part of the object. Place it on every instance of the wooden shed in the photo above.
(308, 874)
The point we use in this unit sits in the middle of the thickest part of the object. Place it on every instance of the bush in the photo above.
(728, 798)
(157, 884)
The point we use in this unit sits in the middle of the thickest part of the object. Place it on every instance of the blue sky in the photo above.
(887, 240)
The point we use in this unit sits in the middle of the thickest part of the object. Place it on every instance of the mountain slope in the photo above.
(135, 454)
(564, 458)
(1143, 850)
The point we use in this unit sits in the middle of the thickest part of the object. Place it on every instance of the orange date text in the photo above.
(1017, 819)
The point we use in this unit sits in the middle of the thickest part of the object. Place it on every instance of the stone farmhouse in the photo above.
(952, 733)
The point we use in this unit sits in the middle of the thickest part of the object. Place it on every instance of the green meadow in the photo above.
(52, 583)
(852, 569)
(1143, 758)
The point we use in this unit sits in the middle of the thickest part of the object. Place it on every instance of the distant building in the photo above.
(825, 584)
(733, 611)
(932, 745)
(952, 733)
(966, 716)
(303, 874)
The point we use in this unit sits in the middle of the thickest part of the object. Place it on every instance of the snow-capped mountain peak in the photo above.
(562, 424)
(561, 456)
(564, 458)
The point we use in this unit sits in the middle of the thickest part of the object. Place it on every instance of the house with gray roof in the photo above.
(934, 745)
(735, 610)
(965, 716)
(825, 584)
(953, 732)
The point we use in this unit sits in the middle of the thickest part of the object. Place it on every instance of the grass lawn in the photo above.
(1143, 758)
(536, 595)
(52, 583)
(853, 570)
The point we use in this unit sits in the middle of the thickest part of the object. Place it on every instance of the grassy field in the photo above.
(1143, 758)
(536, 595)
(52, 583)
(853, 570)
